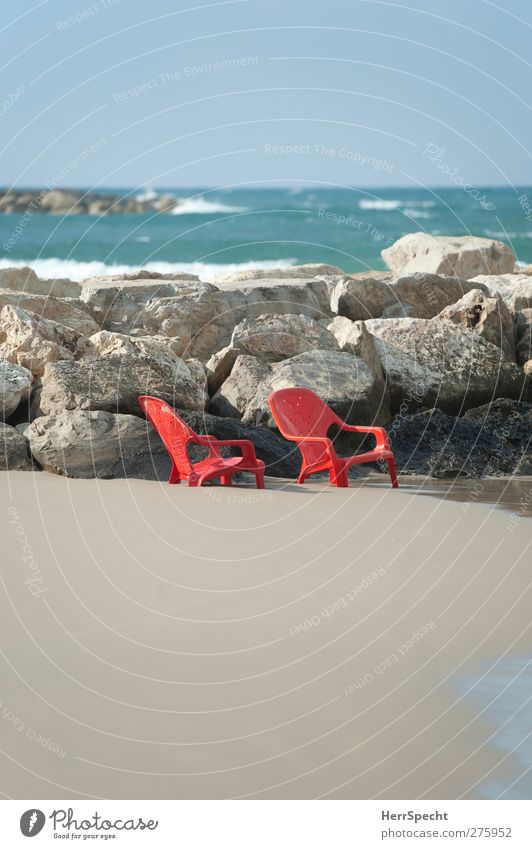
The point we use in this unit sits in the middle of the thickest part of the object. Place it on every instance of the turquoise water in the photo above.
(213, 228)
(501, 695)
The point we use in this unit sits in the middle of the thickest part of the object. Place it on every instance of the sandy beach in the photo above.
(300, 642)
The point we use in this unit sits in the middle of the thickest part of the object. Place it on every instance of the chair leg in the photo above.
(259, 477)
(393, 473)
(339, 478)
(174, 475)
(226, 480)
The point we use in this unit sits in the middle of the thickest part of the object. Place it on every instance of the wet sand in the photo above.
(301, 642)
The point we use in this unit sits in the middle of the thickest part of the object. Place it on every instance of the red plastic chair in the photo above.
(177, 435)
(304, 418)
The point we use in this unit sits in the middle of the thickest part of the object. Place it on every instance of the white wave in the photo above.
(146, 194)
(379, 204)
(200, 206)
(76, 270)
(366, 203)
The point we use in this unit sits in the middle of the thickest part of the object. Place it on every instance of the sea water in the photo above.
(213, 230)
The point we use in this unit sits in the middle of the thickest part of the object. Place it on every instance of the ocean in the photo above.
(215, 230)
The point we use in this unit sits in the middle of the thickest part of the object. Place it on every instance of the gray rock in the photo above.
(358, 298)
(24, 279)
(119, 305)
(32, 341)
(14, 454)
(98, 444)
(219, 367)
(399, 310)
(278, 337)
(310, 269)
(15, 386)
(489, 317)
(113, 380)
(523, 326)
(237, 390)
(427, 294)
(457, 256)
(514, 289)
(435, 363)
(345, 382)
(71, 313)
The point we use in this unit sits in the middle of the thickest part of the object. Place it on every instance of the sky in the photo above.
(122, 93)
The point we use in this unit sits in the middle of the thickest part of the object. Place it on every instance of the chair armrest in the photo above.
(380, 433)
(246, 445)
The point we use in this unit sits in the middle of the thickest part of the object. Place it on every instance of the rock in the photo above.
(281, 458)
(119, 305)
(236, 392)
(400, 310)
(219, 367)
(514, 289)
(359, 298)
(523, 327)
(278, 337)
(310, 269)
(456, 256)
(489, 317)
(345, 382)
(126, 368)
(427, 294)
(71, 313)
(31, 341)
(24, 279)
(435, 363)
(15, 386)
(14, 454)
(204, 320)
(107, 344)
(490, 440)
(527, 368)
(141, 274)
(98, 444)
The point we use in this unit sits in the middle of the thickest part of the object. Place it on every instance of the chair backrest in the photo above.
(173, 431)
(299, 412)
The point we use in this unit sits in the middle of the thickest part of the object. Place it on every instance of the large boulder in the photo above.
(360, 297)
(15, 386)
(14, 454)
(299, 296)
(345, 382)
(456, 256)
(422, 295)
(236, 391)
(489, 317)
(514, 289)
(353, 337)
(71, 313)
(141, 274)
(32, 341)
(490, 440)
(97, 444)
(127, 368)
(278, 337)
(24, 279)
(435, 363)
(119, 304)
(310, 269)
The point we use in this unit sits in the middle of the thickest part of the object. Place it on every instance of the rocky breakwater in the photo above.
(72, 202)
(427, 353)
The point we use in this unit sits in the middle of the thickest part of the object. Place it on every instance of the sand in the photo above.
(302, 642)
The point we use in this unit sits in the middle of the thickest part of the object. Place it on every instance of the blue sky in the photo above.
(349, 92)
